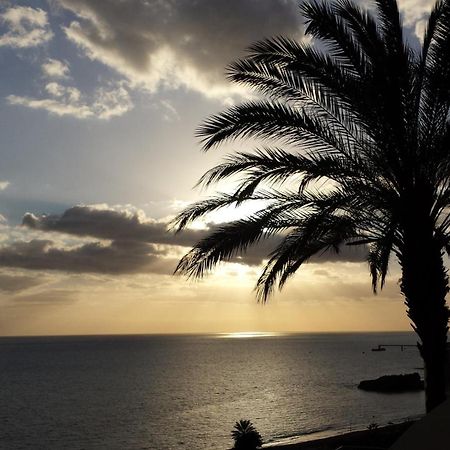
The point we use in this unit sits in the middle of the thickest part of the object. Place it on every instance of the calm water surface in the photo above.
(186, 392)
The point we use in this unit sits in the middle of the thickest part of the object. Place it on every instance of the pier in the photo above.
(382, 347)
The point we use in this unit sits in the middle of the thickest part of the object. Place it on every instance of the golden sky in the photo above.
(98, 153)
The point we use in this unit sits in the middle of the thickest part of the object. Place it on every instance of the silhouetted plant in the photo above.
(245, 436)
(359, 154)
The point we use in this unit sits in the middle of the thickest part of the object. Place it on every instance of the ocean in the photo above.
(186, 392)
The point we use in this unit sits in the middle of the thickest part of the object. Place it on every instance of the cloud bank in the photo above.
(154, 45)
(111, 224)
(176, 43)
(123, 242)
(114, 258)
(114, 242)
(187, 43)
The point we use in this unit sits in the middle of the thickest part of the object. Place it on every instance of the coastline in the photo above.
(383, 436)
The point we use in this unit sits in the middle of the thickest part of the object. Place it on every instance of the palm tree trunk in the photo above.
(424, 284)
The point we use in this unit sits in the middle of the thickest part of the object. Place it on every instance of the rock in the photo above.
(393, 383)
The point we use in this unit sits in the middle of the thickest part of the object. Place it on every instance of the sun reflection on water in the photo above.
(249, 334)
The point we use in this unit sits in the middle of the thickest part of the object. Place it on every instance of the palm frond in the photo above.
(433, 20)
(304, 69)
(317, 233)
(297, 84)
(200, 209)
(358, 134)
(390, 25)
(364, 28)
(271, 120)
(231, 239)
(435, 75)
(378, 257)
(322, 22)
(278, 166)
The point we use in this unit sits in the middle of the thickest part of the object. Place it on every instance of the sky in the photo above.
(99, 102)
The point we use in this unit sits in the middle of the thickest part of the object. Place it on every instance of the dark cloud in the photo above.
(131, 227)
(112, 225)
(189, 42)
(176, 42)
(130, 244)
(17, 283)
(119, 257)
(136, 244)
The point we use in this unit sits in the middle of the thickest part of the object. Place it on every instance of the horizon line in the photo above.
(212, 333)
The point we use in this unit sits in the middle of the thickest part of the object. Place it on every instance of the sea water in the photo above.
(186, 392)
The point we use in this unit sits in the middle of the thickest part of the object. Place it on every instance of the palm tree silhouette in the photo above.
(245, 436)
(360, 155)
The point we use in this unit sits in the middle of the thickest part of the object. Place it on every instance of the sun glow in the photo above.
(249, 334)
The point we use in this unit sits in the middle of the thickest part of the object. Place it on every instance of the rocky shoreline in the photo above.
(394, 383)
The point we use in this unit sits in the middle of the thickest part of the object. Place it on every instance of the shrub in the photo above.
(245, 436)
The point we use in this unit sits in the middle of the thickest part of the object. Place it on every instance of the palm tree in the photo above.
(356, 125)
(245, 436)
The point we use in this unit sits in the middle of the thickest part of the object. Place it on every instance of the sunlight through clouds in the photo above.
(179, 44)
(87, 199)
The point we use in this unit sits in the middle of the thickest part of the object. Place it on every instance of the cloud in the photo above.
(118, 241)
(125, 242)
(62, 100)
(4, 185)
(415, 14)
(109, 224)
(103, 222)
(176, 43)
(17, 283)
(157, 45)
(131, 226)
(415, 11)
(118, 257)
(187, 43)
(105, 103)
(53, 68)
(27, 27)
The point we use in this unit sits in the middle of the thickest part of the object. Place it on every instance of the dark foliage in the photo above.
(357, 153)
(245, 436)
